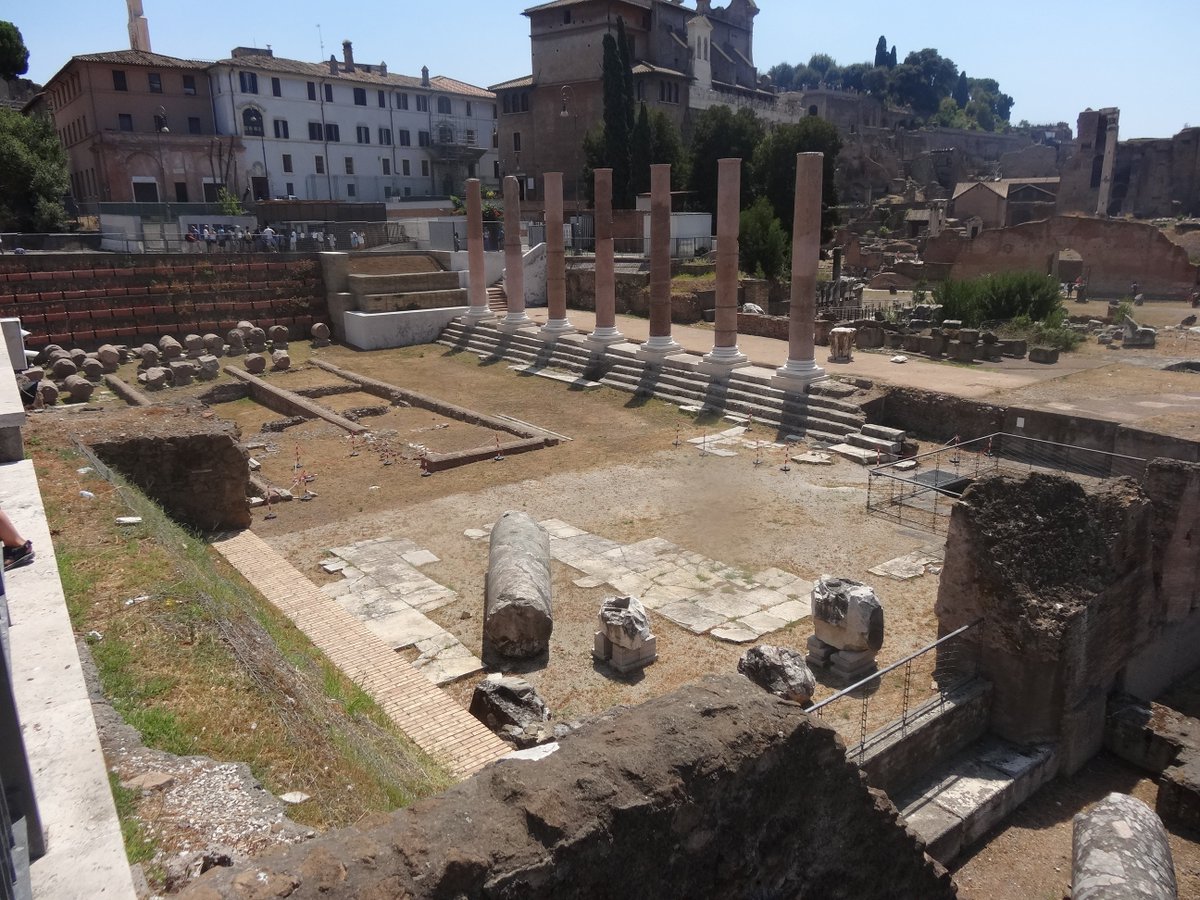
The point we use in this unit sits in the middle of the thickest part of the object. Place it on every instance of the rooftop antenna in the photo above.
(321, 40)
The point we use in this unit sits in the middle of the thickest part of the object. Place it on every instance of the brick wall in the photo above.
(763, 326)
(87, 299)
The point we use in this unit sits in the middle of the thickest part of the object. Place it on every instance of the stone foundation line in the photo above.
(660, 343)
(476, 289)
(291, 404)
(514, 271)
(606, 298)
(556, 271)
(801, 368)
(433, 721)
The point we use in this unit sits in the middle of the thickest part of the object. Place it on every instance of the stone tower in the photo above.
(139, 27)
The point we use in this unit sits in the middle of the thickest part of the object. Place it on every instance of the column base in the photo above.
(657, 347)
(478, 314)
(605, 336)
(722, 360)
(797, 374)
(515, 321)
(554, 329)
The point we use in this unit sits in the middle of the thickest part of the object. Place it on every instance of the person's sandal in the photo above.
(15, 557)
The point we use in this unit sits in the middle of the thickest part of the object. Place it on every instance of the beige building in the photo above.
(1006, 201)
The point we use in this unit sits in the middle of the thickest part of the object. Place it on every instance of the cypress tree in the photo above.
(617, 126)
(881, 51)
(642, 152)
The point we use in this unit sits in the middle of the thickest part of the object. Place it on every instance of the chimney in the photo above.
(333, 65)
(348, 55)
(424, 76)
(383, 68)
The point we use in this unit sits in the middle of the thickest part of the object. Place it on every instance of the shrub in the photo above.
(999, 297)
(763, 242)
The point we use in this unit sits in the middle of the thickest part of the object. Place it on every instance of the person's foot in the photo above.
(15, 557)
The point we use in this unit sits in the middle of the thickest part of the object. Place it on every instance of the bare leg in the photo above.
(8, 532)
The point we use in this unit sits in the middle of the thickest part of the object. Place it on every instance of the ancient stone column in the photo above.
(801, 367)
(660, 342)
(1120, 849)
(556, 266)
(725, 355)
(606, 292)
(476, 284)
(514, 264)
(518, 614)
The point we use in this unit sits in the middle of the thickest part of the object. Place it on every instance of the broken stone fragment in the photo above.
(255, 363)
(500, 702)
(779, 670)
(280, 361)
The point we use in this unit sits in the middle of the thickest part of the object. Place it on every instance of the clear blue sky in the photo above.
(1055, 57)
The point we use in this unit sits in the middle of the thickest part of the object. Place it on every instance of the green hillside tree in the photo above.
(774, 168)
(33, 174)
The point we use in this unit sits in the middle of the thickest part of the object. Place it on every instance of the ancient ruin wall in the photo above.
(933, 416)
(715, 790)
(191, 466)
(1114, 252)
(1061, 577)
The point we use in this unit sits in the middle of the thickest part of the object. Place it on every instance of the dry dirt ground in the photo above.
(619, 476)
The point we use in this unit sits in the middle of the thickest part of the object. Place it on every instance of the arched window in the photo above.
(444, 105)
(812, 110)
(252, 122)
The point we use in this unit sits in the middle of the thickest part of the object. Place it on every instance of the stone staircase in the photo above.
(871, 445)
(497, 299)
(393, 292)
(748, 392)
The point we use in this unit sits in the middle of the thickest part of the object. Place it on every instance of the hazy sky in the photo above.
(1055, 57)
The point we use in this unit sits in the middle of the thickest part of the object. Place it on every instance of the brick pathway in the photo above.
(437, 724)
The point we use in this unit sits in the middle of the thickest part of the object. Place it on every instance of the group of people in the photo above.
(235, 239)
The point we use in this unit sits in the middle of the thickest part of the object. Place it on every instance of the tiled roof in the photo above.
(319, 70)
(1002, 186)
(454, 86)
(142, 58)
(525, 81)
(645, 68)
(559, 4)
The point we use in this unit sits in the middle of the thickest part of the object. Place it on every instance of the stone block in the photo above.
(1045, 355)
(255, 363)
(169, 347)
(968, 335)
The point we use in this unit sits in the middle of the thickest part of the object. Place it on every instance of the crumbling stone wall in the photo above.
(190, 465)
(715, 790)
(1062, 578)
(934, 416)
(1115, 252)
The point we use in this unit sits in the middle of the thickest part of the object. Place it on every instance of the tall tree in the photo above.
(881, 51)
(667, 147)
(33, 173)
(618, 115)
(774, 170)
(641, 151)
(962, 90)
(719, 133)
(14, 56)
(892, 57)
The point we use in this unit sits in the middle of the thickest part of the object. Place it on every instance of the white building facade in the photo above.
(350, 132)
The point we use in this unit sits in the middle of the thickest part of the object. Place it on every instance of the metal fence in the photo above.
(921, 492)
(898, 695)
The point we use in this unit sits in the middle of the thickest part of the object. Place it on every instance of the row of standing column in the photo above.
(800, 368)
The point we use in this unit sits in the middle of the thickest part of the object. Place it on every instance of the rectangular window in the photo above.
(404, 137)
(468, 107)
(276, 88)
(360, 96)
(443, 106)
(496, 168)
(387, 166)
(193, 125)
(516, 142)
(312, 90)
(281, 129)
(287, 163)
(363, 134)
(385, 136)
(155, 82)
(422, 103)
(349, 165)
(507, 104)
(351, 190)
(525, 101)
(382, 99)
(425, 167)
(405, 169)
(119, 80)
(470, 137)
(423, 138)
(320, 165)
(332, 132)
(189, 85)
(125, 121)
(289, 188)
(248, 82)
(401, 101)
(181, 195)
(315, 132)
(329, 93)
(495, 138)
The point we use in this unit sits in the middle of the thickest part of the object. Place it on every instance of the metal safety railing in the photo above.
(897, 694)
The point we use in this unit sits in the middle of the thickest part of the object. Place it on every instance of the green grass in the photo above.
(138, 847)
